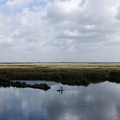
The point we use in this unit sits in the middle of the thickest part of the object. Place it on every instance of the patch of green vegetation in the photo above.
(72, 74)
(8, 83)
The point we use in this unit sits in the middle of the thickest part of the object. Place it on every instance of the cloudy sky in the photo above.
(59, 30)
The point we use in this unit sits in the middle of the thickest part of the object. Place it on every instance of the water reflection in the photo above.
(95, 102)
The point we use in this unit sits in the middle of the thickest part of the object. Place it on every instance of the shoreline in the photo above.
(17, 84)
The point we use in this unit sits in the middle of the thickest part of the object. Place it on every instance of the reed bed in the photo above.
(66, 73)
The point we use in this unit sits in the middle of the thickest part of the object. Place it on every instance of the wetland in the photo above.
(90, 91)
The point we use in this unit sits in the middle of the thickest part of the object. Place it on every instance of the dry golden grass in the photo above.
(62, 66)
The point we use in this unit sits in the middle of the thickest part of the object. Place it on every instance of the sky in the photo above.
(59, 31)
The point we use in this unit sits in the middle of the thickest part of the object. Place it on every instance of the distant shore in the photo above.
(26, 63)
(66, 73)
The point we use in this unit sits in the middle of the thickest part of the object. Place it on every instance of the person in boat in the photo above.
(61, 89)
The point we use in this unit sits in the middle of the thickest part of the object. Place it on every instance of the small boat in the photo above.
(60, 90)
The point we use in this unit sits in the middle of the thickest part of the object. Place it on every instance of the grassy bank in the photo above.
(73, 74)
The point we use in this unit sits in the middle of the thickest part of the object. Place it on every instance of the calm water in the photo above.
(94, 102)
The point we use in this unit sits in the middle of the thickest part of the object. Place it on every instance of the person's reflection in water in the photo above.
(61, 92)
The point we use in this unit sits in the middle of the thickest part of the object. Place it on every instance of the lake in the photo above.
(94, 102)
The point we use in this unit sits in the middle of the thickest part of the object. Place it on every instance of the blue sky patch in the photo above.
(36, 4)
(2, 1)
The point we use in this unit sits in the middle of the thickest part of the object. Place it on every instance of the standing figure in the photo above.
(61, 88)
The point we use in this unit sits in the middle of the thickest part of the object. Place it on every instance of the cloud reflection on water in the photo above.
(95, 102)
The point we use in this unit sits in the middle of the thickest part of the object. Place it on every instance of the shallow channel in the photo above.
(94, 102)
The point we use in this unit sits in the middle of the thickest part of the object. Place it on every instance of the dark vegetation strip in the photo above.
(8, 83)
(77, 74)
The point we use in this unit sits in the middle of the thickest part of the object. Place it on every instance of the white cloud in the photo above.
(17, 3)
(65, 28)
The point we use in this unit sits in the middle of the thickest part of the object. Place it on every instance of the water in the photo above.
(37, 82)
(94, 102)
